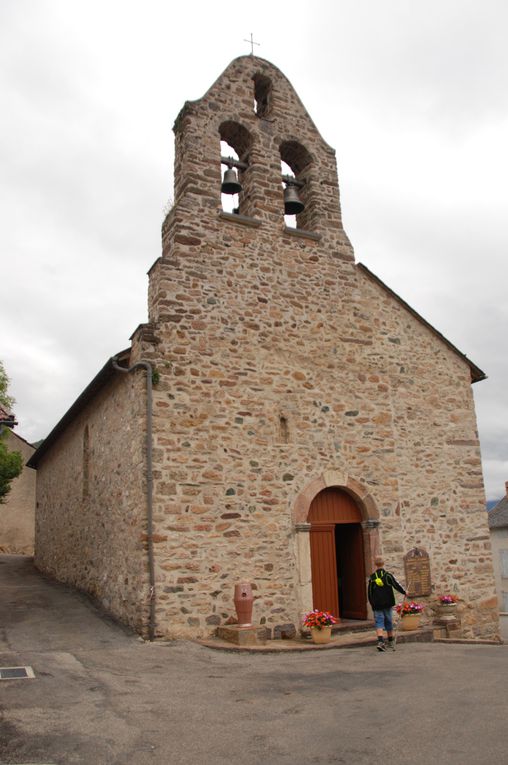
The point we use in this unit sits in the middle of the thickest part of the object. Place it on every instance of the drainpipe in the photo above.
(149, 482)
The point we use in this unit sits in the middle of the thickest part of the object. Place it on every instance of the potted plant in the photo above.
(447, 606)
(320, 625)
(410, 613)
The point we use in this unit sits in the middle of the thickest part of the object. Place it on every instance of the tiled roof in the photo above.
(498, 516)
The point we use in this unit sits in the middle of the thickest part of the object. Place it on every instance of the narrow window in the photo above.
(283, 429)
(262, 95)
(86, 463)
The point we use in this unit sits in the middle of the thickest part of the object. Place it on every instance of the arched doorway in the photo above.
(337, 555)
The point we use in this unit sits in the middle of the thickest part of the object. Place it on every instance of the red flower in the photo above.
(318, 619)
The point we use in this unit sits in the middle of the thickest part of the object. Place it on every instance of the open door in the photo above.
(337, 555)
(325, 591)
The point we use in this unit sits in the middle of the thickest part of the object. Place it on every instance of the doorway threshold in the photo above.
(353, 625)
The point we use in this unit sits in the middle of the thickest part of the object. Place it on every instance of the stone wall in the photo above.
(91, 502)
(281, 361)
(441, 503)
(17, 512)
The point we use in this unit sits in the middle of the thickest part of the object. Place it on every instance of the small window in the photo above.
(86, 463)
(262, 95)
(504, 602)
(283, 429)
(503, 560)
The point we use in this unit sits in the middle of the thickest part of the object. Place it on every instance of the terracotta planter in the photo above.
(324, 635)
(243, 601)
(410, 622)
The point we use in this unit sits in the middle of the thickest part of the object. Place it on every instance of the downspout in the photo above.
(149, 483)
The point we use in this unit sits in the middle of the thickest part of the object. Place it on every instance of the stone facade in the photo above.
(91, 502)
(18, 511)
(283, 368)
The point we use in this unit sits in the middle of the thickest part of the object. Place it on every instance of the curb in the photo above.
(418, 636)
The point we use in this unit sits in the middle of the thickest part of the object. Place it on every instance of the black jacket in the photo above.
(383, 597)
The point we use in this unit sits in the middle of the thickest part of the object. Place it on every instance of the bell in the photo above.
(230, 183)
(293, 205)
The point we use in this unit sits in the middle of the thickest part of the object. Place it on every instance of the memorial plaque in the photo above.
(417, 568)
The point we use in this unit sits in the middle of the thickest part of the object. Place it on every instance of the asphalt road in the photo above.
(103, 697)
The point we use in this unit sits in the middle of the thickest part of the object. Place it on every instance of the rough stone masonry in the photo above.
(283, 369)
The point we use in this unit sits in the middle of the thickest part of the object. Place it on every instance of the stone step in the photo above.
(346, 627)
(341, 641)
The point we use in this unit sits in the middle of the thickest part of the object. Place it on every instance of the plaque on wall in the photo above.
(417, 569)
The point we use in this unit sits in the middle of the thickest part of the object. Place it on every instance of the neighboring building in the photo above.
(305, 418)
(17, 513)
(498, 524)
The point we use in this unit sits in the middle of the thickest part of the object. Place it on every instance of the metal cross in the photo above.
(252, 44)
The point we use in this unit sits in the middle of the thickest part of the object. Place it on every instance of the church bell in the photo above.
(230, 182)
(293, 205)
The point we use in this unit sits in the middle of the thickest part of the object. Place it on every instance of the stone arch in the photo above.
(358, 491)
(300, 514)
(237, 136)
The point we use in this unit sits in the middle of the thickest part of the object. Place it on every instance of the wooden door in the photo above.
(332, 509)
(325, 591)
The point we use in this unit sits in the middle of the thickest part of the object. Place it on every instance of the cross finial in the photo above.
(252, 43)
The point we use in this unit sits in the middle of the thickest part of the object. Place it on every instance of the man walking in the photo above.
(382, 601)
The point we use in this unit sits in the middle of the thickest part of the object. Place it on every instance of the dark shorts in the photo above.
(383, 619)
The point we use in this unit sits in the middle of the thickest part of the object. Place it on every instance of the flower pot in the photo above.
(410, 622)
(324, 635)
(446, 612)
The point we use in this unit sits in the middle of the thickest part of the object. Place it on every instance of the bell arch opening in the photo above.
(262, 95)
(235, 146)
(296, 171)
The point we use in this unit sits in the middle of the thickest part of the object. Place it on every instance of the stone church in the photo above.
(283, 416)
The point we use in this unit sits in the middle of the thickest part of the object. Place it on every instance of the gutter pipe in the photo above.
(149, 483)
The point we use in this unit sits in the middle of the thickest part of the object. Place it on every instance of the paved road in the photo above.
(103, 697)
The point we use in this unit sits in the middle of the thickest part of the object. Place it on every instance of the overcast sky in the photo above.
(413, 96)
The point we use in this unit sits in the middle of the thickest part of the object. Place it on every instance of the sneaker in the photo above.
(381, 647)
(391, 645)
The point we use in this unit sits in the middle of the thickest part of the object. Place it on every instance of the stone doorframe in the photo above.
(370, 526)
